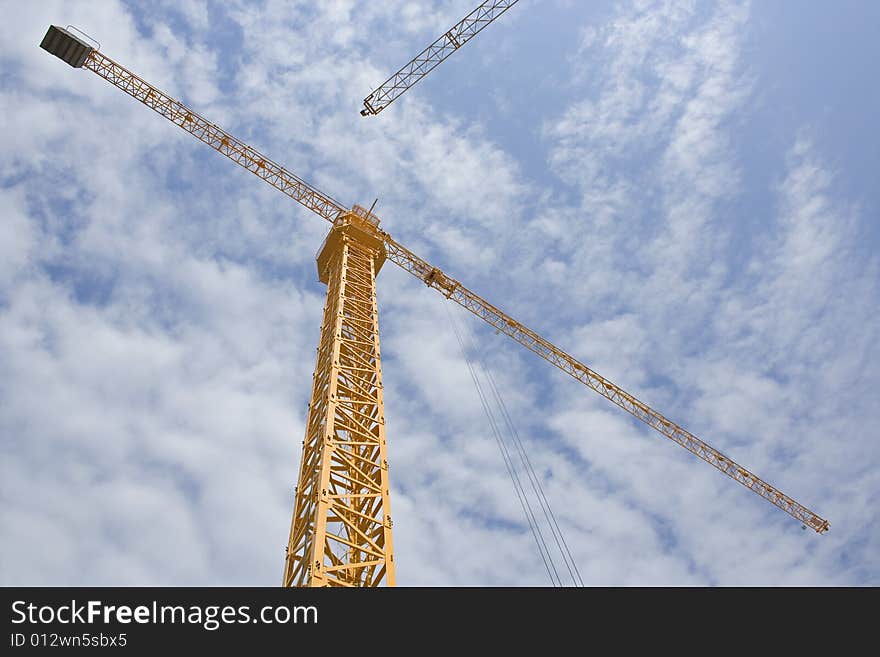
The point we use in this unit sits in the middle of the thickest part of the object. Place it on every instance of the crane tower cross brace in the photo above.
(341, 529)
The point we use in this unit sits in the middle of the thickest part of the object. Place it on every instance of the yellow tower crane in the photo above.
(341, 529)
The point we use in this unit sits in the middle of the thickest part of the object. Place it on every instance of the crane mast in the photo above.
(341, 527)
(431, 57)
(340, 534)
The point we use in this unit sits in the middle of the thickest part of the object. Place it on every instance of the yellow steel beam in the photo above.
(346, 408)
(342, 519)
(452, 289)
(214, 136)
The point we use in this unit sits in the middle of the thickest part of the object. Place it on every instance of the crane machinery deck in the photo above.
(341, 531)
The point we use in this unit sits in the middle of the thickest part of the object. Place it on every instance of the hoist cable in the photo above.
(531, 520)
(537, 487)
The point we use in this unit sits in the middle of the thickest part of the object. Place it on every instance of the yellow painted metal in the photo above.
(340, 534)
(504, 323)
(341, 529)
(214, 136)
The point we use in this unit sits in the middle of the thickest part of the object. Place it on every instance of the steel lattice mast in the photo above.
(341, 527)
(427, 60)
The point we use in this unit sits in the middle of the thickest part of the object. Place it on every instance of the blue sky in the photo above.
(681, 194)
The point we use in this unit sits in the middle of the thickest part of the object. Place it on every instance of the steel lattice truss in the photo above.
(452, 289)
(341, 529)
(215, 137)
(423, 63)
(455, 291)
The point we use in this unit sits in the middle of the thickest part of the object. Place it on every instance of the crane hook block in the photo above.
(64, 45)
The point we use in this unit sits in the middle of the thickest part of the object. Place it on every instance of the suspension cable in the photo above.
(535, 481)
(532, 521)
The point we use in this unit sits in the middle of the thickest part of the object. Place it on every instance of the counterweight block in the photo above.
(65, 46)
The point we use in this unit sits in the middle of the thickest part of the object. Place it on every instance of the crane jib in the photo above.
(452, 289)
(77, 53)
(432, 56)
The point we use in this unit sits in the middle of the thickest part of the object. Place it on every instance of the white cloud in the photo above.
(159, 308)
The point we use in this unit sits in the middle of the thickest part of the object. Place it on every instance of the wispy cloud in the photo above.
(159, 309)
